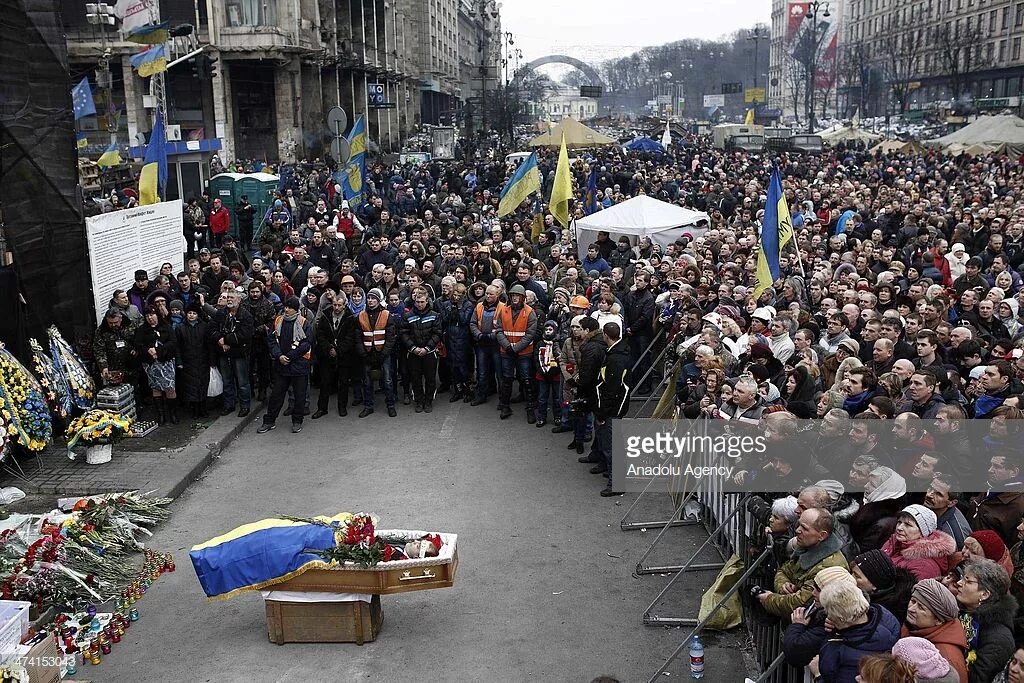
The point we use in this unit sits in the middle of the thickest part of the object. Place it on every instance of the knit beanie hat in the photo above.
(937, 598)
(553, 324)
(924, 517)
(177, 304)
(831, 575)
(375, 293)
(990, 543)
(923, 655)
(563, 291)
(577, 320)
(877, 567)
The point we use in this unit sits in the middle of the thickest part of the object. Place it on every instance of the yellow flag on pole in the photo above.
(561, 191)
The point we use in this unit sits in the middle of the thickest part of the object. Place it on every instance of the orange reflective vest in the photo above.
(515, 330)
(374, 333)
(480, 314)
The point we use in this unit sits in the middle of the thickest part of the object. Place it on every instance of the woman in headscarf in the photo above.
(884, 497)
(933, 614)
(1007, 311)
(799, 392)
(357, 301)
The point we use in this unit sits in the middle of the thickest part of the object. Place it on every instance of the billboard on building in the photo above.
(802, 32)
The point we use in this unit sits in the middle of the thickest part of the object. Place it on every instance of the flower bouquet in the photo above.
(357, 542)
(113, 521)
(23, 409)
(76, 376)
(55, 386)
(97, 429)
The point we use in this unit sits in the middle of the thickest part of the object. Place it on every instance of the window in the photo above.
(1002, 50)
(1015, 53)
(251, 13)
(990, 52)
(1018, 19)
(992, 21)
(1006, 17)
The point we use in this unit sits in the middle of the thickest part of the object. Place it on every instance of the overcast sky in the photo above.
(592, 30)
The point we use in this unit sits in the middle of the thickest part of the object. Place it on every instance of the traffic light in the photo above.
(204, 67)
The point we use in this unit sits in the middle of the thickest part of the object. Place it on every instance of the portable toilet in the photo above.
(223, 186)
(259, 188)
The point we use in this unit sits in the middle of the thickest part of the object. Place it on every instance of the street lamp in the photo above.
(102, 15)
(812, 71)
(757, 36)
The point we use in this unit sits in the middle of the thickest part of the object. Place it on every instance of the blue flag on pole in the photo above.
(81, 99)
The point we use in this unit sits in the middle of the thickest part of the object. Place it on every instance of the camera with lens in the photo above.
(760, 510)
(757, 590)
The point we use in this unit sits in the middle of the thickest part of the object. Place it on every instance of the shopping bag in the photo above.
(731, 614)
(216, 387)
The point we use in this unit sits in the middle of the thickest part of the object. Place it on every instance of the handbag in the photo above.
(216, 386)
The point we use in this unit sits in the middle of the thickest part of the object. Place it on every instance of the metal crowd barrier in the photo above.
(730, 531)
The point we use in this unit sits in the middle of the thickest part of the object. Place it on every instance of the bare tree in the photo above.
(902, 47)
(960, 53)
(795, 80)
(854, 72)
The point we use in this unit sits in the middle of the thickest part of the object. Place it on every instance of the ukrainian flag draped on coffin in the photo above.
(525, 180)
(261, 554)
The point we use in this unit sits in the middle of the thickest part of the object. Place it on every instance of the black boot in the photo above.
(456, 393)
(172, 410)
(161, 415)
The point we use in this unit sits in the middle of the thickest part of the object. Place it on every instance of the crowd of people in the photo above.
(896, 321)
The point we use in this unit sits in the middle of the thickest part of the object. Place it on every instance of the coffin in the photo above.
(387, 578)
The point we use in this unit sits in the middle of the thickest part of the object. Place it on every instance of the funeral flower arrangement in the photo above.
(55, 385)
(80, 383)
(79, 558)
(357, 542)
(23, 410)
(97, 426)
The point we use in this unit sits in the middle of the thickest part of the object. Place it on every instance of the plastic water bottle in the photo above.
(696, 658)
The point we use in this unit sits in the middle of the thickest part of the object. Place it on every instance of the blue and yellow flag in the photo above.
(150, 34)
(590, 204)
(561, 191)
(111, 156)
(524, 181)
(81, 140)
(749, 120)
(260, 554)
(151, 61)
(153, 177)
(776, 231)
(354, 178)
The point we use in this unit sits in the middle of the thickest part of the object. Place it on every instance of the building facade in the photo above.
(278, 68)
(562, 103)
(806, 45)
(949, 51)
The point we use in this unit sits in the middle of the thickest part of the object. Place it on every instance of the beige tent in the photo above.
(896, 147)
(1001, 133)
(576, 136)
(849, 134)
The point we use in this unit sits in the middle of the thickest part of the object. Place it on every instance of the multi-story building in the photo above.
(971, 46)
(280, 66)
(562, 103)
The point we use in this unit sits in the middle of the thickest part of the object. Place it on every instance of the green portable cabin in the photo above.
(258, 187)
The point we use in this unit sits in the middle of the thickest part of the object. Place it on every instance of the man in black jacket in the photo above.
(231, 333)
(639, 319)
(421, 333)
(592, 354)
(245, 213)
(338, 339)
(612, 399)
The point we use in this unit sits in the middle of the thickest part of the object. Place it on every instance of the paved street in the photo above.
(544, 589)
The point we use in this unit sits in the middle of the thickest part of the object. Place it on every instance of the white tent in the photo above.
(849, 134)
(638, 217)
